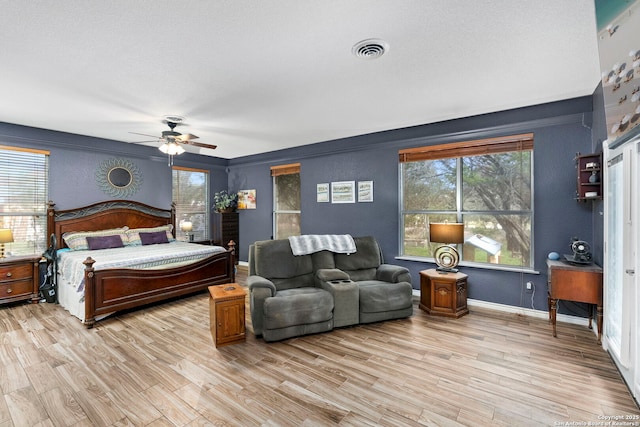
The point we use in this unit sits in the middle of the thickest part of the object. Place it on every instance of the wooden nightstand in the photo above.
(443, 294)
(19, 279)
(226, 313)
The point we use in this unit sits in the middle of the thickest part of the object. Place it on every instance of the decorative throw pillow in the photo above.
(77, 240)
(104, 242)
(153, 238)
(133, 235)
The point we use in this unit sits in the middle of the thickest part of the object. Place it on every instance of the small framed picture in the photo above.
(247, 199)
(322, 192)
(343, 192)
(365, 191)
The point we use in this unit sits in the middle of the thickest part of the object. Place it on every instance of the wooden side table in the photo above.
(580, 283)
(19, 279)
(226, 313)
(443, 294)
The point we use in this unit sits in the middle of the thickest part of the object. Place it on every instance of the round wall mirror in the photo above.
(119, 178)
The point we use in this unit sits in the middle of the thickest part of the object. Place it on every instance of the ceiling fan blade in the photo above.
(186, 137)
(144, 134)
(200, 144)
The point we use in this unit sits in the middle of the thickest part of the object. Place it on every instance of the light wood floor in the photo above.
(158, 367)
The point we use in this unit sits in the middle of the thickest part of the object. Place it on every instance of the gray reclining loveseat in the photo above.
(292, 295)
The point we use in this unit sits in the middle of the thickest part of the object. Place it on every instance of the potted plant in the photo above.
(225, 201)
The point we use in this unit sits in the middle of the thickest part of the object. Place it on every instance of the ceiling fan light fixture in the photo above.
(171, 148)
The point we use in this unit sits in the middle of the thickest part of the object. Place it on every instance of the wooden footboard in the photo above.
(111, 290)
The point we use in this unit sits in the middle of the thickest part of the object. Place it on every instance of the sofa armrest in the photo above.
(255, 282)
(393, 273)
(259, 290)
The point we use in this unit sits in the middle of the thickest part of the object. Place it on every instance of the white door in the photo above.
(620, 298)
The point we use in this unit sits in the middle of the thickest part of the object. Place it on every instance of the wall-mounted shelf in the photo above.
(589, 176)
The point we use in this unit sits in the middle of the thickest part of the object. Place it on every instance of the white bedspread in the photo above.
(71, 268)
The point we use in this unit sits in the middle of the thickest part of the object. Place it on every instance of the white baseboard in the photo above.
(529, 312)
(582, 321)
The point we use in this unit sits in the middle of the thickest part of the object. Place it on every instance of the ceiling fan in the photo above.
(172, 141)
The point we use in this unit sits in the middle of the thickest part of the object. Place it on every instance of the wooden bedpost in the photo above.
(89, 286)
(232, 247)
(51, 219)
(173, 218)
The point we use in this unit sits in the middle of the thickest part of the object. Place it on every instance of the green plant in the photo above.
(225, 201)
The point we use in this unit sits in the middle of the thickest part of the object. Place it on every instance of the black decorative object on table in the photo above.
(581, 252)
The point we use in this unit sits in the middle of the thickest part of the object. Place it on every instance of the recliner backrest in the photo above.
(274, 260)
(363, 264)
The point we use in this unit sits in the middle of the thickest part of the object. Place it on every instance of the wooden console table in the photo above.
(580, 283)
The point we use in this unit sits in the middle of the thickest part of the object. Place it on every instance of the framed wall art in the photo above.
(365, 191)
(322, 193)
(343, 192)
(247, 199)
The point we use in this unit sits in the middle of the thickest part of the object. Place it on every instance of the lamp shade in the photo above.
(6, 236)
(186, 226)
(446, 232)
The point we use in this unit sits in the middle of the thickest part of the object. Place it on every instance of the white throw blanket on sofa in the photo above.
(310, 243)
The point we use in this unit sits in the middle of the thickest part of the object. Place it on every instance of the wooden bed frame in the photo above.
(111, 290)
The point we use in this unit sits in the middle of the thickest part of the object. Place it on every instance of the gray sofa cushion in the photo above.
(377, 296)
(293, 307)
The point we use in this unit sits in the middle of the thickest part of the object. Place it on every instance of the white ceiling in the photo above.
(257, 76)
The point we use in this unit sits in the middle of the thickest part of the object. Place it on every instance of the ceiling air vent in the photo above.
(370, 49)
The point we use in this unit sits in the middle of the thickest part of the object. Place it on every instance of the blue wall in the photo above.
(560, 131)
(74, 160)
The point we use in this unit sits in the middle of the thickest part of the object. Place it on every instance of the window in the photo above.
(286, 200)
(191, 196)
(485, 184)
(23, 198)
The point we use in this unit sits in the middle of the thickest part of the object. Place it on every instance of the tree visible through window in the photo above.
(286, 190)
(490, 193)
(24, 176)
(191, 196)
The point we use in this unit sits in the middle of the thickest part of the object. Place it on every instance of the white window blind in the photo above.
(24, 193)
(191, 196)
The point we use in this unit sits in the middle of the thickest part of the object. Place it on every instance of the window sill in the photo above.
(473, 265)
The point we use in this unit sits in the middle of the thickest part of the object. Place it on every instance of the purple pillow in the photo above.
(104, 242)
(154, 238)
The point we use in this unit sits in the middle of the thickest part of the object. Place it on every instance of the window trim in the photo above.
(279, 170)
(478, 147)
(459, 150)
(288, 169)
(40, 241)
(207, 201)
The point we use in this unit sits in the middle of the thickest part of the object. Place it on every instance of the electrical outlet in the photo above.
(529, 286)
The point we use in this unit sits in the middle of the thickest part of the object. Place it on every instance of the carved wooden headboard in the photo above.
(106, 215)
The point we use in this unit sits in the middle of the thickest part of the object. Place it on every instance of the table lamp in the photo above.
(6, 236)
(449, 233)
(186, 227)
